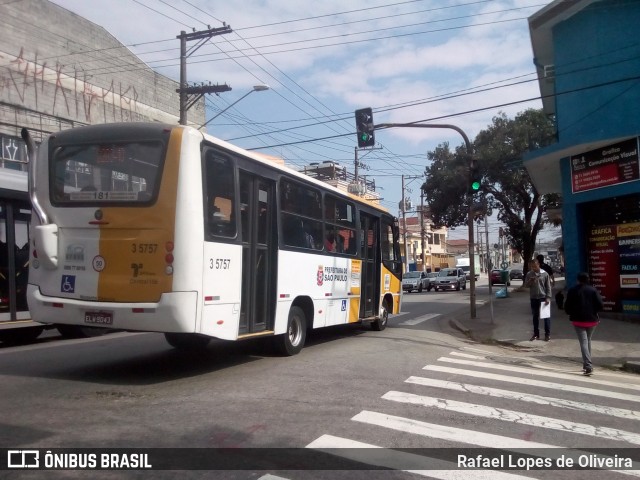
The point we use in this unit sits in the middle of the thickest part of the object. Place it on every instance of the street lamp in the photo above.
(256, 88)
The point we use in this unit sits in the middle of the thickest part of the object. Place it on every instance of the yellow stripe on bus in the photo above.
(133, 240)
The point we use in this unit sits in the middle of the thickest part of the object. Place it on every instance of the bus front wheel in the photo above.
(187, 341)
(380, 323)
(292, 341)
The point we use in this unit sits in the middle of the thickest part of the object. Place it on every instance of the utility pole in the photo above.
(422, 232)
(404, 228)
(190, 95)
(489, 266)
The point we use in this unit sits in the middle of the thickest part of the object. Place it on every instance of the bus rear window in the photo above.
(106, 173)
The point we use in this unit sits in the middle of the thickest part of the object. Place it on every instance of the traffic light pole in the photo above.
(472, 267)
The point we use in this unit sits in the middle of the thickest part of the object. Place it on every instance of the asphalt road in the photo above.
(416, 385)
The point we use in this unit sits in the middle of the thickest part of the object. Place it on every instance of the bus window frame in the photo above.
(55, 146)
(209, 236)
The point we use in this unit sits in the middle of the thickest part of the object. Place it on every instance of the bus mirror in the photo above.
(46, 240)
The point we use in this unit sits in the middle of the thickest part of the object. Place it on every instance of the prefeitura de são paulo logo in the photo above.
(320, 275)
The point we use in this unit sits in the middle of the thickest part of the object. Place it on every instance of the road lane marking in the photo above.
(513, 416)
(526, 397)
(397, 460)
(444, 432)
(422, 318)
(534, 383)
(470, 437)
(541, 373)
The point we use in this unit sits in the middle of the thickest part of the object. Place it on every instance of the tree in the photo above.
(506, 185)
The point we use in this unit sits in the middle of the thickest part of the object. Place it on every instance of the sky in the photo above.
(457, 62)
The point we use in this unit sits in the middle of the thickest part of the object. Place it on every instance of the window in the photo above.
(340, 221)
(219, 195)
(301, 216)
(106, 173)
(390, 246)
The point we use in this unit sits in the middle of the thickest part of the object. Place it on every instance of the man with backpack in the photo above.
(582, 304)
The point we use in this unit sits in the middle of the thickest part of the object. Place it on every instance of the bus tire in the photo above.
(380, 323)
(187, 341)
(291, 342)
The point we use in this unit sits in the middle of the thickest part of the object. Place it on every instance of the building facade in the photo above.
(588, 64)
(58, 70)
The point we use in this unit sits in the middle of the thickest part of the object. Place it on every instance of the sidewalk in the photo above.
(615, 343)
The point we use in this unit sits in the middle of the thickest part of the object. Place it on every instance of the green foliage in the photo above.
(506, 185)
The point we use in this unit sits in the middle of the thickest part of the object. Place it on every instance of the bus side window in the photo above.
(220, 197)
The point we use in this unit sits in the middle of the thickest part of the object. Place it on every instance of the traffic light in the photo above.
(475, 179)
(365, 127)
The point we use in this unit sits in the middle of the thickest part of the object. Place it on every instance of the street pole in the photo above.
(422, 245)
(404, 229)
(472, 267)
(489, 266)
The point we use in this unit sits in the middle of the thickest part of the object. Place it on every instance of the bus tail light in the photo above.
(168, 258)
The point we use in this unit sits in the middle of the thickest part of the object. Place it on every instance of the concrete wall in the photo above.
(58, 70)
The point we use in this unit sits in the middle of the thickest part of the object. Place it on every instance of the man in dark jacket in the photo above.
(582, 305)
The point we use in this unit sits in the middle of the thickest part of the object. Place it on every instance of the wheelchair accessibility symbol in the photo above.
(344, 306)
(68, 284)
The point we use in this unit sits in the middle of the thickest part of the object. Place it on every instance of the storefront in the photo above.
(613, 251)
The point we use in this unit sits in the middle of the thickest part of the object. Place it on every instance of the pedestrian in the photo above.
(539, 285)
(582, 304)
(547, 268)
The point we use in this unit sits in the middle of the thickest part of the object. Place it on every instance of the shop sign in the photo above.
(614, 265)
(605, 166)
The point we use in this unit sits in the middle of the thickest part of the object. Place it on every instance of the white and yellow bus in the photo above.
(158, 228)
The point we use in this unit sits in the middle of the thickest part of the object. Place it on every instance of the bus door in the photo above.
(14, 260)
(259, 248)
(369, 227)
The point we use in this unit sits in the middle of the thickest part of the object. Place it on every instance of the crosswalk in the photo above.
(499, 405)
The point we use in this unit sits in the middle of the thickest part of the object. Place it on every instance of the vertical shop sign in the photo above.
(603, 265)
(614, 265)
(629, 251)
(611, 165)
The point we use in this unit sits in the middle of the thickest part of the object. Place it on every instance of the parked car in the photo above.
(450, 278)
(415, 281)
(432, 279)
(516, 274)
(496, 277)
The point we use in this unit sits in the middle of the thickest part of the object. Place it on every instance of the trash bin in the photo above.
(504, 276)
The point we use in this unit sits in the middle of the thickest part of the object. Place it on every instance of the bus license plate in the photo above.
(99, 318)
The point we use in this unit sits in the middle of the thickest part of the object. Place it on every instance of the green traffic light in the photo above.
(365, 136)
(475, 186)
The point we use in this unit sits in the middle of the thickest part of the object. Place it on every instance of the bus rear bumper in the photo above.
(175, 312)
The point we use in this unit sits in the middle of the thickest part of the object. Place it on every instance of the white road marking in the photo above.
(526, 397)
(471, 437)
(423, 318)
(397, 460)
(541, 373)
(513, 416)
(534, 383)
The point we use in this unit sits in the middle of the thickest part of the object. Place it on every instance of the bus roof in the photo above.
(136, 129)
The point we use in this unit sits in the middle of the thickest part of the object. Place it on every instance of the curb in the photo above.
(633, 367)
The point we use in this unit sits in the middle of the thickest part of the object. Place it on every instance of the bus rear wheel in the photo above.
(292, 341)
(187, 341)
(380, 323)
